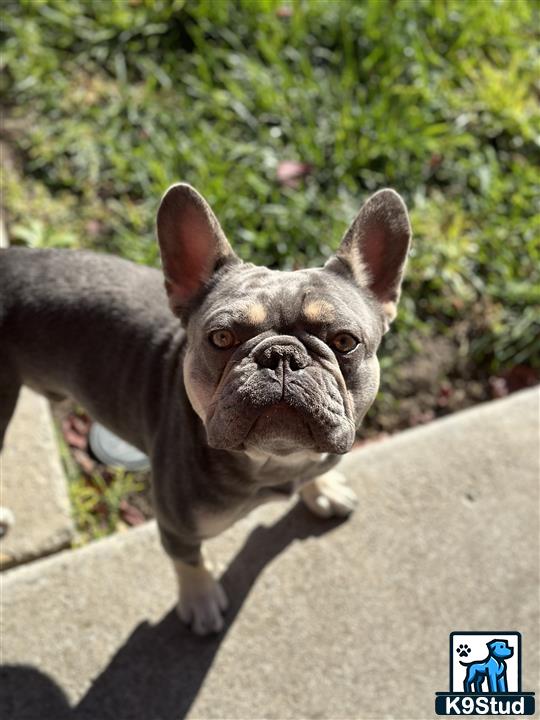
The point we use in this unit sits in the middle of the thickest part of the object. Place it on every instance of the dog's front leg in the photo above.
(328, 495)
(492, 680)
(202, 600)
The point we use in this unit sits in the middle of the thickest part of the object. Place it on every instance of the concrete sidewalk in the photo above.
(328, 620)
(33, 485)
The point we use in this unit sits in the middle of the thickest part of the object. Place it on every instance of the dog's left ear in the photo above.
(374, 249)
(192, 244)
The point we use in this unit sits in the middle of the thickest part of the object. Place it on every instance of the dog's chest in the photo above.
(283, 469)
(279, 478)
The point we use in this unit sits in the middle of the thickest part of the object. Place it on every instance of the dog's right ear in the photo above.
(192, 245)
(374, 250)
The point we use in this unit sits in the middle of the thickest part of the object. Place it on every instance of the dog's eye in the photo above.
(343, 342)
(222, 339)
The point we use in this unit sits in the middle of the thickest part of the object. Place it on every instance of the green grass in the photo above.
(109, 102)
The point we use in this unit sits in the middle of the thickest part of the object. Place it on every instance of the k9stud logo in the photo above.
(485, 676)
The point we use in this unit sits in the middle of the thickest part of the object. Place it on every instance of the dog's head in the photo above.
(282, 361)
(499, 649)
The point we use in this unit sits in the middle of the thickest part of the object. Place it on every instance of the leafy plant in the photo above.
(96, 503)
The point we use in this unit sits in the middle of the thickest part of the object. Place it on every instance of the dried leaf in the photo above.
(290, 172)
(130, 514)
(73, 438)
(284, 11)
(84, 460)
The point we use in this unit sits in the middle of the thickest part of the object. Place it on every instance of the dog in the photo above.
(493, 668)
(250, 390)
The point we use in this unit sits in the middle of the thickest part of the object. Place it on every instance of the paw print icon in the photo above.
(463, 650)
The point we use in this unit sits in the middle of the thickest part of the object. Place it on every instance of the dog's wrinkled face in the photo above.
(282, 361)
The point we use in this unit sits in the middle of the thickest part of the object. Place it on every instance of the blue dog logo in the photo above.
(492, 669)
(491, 686)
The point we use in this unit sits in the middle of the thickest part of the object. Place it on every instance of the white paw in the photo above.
(7, 520)
(202, 599)
(329, 495)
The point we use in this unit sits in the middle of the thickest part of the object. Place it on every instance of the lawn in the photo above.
(106, 103)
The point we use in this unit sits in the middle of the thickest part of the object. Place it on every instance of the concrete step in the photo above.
(328, 620)
(33, 485)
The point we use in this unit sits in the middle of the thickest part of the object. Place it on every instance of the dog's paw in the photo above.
(7, 520)
(202, 599)
(463, 650)
(329, 495)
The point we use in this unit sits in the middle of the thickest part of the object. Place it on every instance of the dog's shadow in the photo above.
(158, 672)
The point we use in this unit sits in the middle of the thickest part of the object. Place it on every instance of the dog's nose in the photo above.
(292, 356)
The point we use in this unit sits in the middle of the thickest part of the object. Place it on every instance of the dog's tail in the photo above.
(464, 663)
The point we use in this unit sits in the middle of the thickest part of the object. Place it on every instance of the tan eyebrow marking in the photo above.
(318, 311)
(255, 313)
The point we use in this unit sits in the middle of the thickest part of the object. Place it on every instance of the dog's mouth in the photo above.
(280, 429)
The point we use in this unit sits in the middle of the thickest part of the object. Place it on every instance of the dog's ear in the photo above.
(374, 249)
(192, 245)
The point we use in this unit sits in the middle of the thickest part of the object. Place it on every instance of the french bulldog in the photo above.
(251, 389)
